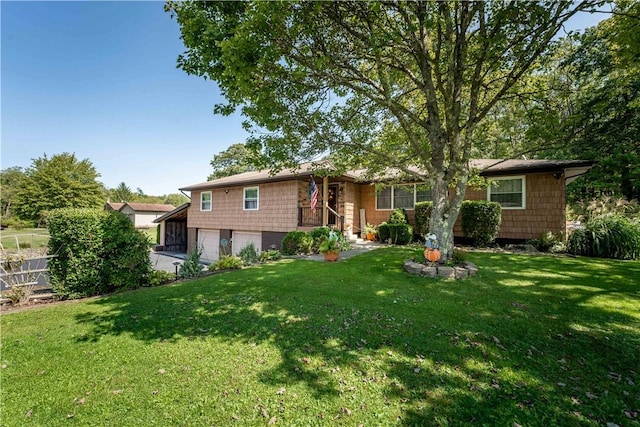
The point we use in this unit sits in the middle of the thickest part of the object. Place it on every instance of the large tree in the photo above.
(235, 159)
(400, 85)
(61, 181)
(10, 180)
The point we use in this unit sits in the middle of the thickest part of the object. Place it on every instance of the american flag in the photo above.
(314, 195)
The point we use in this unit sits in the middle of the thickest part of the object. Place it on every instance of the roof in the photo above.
(304, 170)
(148, 207)
(179, 212)
(496, 167)
(487, 167)
(114, 206)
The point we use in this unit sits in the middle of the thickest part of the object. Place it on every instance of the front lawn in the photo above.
(27, 238)
(531, 341)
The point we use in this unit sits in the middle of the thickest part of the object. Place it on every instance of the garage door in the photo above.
(209, 241)
(242, 238)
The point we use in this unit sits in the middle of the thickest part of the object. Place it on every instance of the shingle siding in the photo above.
(277, 209)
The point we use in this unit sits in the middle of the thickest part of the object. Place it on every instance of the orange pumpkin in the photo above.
(432, 255)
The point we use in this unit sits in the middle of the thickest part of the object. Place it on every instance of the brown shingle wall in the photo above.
(545, 209)
(278, 209)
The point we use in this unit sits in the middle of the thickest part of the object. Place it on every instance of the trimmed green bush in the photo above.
(296, 242)
(610, 236)
(398, 216)
(480, 221)
(400, 234)
(125, 253)
(97, 252)
(422, 211)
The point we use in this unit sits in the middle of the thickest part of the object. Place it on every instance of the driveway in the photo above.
(164, 261)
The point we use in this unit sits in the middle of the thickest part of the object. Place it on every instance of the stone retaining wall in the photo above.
(466, 269)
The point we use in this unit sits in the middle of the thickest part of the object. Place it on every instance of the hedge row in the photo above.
(96, 252)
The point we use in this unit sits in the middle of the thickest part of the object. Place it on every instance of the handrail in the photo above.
(338, 216)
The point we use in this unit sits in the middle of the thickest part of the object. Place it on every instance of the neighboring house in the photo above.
(142, 215)
(113, 207)
(257, 207)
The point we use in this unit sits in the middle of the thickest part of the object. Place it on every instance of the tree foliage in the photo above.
(10, 181)
(400, 85)
(61, 181)
(234, 160)
(582, 102)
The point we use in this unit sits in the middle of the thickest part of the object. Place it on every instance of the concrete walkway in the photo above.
(357, 248)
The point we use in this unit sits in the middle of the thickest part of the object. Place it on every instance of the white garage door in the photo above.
(209, 241)
(243, 238)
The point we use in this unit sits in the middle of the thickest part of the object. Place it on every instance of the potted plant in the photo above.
(330, 247)
(370, 231)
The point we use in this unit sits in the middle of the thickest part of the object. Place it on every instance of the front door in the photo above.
(332, 201)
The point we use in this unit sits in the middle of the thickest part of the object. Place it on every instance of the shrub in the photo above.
(398, 216)
(17, 223)
(248, 254)
(422, 211)
(125, 253)
(77, 240)
(318, 235)
(611, 236)
(191, 267)
(400, 234)
(227, 263)
(270, 255)
(549, 242)
(159, 277)
(297, 242)
(97, 252)
(480, 221)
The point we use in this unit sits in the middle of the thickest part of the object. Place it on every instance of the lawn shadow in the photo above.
(467, 351)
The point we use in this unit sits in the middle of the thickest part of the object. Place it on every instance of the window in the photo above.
(401, 196)
(509, 192)
(205, 201)
(251, 197)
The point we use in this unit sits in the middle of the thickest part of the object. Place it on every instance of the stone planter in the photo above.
(467, 269)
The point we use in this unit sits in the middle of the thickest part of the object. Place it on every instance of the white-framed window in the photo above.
(205, 201)
(401, 196)
(251, 198)
(510, 192)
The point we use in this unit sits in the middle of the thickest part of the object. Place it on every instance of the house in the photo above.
(257, 207)
(141, 214)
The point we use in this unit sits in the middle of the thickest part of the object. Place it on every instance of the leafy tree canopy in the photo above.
(378, 85)
(238, 158)
(61, 181)
(10, 181)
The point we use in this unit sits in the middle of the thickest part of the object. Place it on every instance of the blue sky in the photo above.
(99, 79)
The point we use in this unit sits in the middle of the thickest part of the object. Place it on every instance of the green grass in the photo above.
(152, 233)
(533, 340)
(36, 238)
